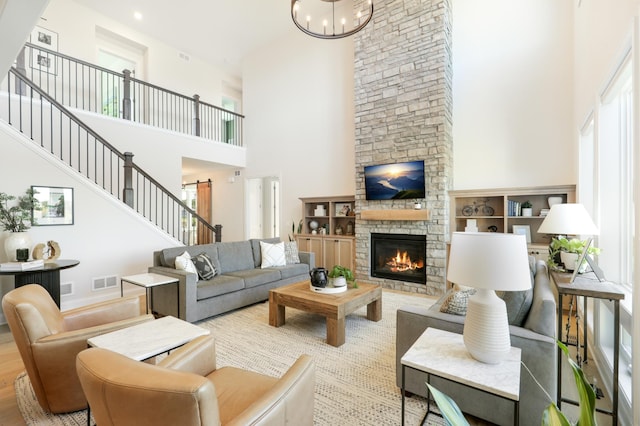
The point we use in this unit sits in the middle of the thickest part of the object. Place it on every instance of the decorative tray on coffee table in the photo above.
(329, 289)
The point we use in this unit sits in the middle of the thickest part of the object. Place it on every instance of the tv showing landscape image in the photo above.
(398, 181)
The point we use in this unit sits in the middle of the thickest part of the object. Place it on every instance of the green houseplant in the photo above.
(17, 218)
(574, 246)
(527, 208)
(342, 271)
(551, 416)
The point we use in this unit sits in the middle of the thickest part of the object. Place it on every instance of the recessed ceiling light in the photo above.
(137, 15)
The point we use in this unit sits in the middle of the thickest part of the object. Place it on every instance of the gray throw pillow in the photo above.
(518, 305)
(203, 264)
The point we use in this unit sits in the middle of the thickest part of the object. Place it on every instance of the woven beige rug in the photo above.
(355, 383)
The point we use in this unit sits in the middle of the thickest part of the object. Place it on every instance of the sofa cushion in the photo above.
(272, 255)
(218, 285)
(256, 276)
(298, 269)
(542, 315)
(203, 265)
(234, 256)
(257, 252)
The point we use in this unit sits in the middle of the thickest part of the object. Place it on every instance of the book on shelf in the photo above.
(21, 266)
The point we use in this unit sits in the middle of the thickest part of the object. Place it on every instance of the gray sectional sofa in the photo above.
(239, 279)
(536, 338)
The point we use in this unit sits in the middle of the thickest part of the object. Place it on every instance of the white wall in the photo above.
(512, 93)
(17, 17)
(76, 28)
(106, 237)
(299, 103)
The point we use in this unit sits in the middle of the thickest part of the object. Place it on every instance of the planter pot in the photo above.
(15, 241)
(527, 212)
(570, 260)
(339, 281)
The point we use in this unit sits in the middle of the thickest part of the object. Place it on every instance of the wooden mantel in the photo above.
(395, 214)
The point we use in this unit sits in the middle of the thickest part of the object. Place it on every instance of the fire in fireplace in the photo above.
(399, 257)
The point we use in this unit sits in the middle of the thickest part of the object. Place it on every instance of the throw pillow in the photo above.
(291, 253)
(518, 305)
(205, 268)
(272, 254)
(456, 303)
(184, 263)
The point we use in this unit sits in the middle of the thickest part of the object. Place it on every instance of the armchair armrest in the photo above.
(102, 313)
(197, 356)
(290, 400)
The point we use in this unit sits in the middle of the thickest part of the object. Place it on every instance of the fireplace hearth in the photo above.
(399, 257)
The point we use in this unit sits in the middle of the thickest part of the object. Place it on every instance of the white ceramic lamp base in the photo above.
(486, 327)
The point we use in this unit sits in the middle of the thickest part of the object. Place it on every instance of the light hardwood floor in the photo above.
(10, 366)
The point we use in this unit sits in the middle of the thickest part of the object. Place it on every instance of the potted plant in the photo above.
(17, 219)
(527, 208)
(565, 251)
(341, 275)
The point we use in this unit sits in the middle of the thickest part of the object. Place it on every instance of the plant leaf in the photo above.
(551, 416)
(449, 409)
(585, 391)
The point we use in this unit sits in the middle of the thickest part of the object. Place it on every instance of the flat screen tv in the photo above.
(397, 181)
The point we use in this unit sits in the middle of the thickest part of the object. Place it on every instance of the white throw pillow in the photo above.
(184, 263)
(272, 254)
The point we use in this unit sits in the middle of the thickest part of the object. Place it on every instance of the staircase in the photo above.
(41, 118)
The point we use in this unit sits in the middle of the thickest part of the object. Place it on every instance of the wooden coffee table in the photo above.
(334, 307)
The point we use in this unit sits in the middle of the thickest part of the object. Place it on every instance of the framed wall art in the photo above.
(56, 206)
(40, 59)
(523, 230)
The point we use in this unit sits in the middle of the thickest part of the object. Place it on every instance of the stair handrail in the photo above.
(128, 195)
(196, 117)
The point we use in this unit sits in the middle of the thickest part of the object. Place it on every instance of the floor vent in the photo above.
(66, 289)
(102, 283)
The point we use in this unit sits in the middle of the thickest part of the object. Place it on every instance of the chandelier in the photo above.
(331, 19)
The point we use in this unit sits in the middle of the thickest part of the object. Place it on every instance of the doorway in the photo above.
(263, 207)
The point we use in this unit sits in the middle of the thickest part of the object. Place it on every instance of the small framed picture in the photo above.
(42, 60)
(56, 206)
(523, 230)
(343, 209)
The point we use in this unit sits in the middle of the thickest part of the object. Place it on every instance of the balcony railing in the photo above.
(78, 84)
(30, 110)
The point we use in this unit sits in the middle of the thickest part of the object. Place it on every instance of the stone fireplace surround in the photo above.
(403, 112)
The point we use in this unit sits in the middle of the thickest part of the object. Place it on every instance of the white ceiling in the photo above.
(220, 32)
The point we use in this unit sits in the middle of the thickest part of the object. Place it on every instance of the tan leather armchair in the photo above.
(185, 388)
(49, 340)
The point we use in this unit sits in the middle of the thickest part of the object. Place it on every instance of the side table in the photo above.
(587, 285)
(48, 276)
(443, 354)
(148, 280)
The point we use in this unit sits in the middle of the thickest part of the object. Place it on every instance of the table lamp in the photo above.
(572, 219)
(488, 261)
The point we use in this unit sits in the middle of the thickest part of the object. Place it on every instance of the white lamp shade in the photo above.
(489, 260)
(568, 219)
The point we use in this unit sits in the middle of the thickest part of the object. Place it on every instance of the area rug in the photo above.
(355, 383)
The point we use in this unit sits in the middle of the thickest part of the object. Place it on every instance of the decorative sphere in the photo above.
(313, 225)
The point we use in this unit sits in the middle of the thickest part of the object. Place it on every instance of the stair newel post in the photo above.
(126, 95)
(218, 231)
(196, 115)
(127, 192)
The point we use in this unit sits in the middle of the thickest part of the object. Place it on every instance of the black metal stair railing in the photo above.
(80, 84)
(31, 111)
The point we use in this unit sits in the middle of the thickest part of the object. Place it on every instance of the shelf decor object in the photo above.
(572, 219)
(488, 262)
(331, 19)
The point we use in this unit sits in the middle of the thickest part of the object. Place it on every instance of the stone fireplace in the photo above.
(403, 112)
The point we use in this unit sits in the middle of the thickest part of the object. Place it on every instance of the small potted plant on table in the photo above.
(566, 251)
(341, 275)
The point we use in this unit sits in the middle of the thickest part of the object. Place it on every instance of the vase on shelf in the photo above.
(15, 241)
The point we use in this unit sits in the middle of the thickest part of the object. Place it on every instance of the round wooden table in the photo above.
(47, 276)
